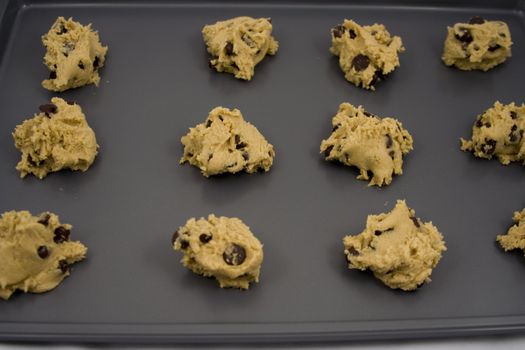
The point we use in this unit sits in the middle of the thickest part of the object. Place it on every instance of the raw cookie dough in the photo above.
(515, 237)
(238, 44)
(35, 252)
(57, 138)
(226, 143)
(499, 132)
(368, 142)
(479, 44)
(366, 53)
(74, 55)
(220, 247)
(400, 249)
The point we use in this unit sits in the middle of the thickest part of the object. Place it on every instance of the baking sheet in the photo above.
(156, 84)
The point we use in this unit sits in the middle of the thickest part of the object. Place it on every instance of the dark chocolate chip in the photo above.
(62, 30)
(415, 221)
(190, 154)
(237, 139)
(240, 145)
(479, 123)
(44, 219)
(489, 147)
(494, 48)
(392, 154)
(208, 123)
(96, 62)
(360, 62)
(328, 150)
(389, 141)
(378, 233)
(81, 65)
(476, 20)
(234, 255)
(513, 115)
(184, 244)
(61, 234)
(246, 156)
(63, 266)
(52, 75)
(352, 251)
(378, 76)
(228, 48)
(205, 237)
(336, 127)
(464, 36)
(43, 252)
(338, 31)
(368, 114)
(174, 237)
(487, 125)
(352, 34)
(48, 109)
(514, 127)
(513, 137)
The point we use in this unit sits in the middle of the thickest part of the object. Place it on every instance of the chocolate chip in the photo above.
(479, 123)
(352, 251)
(494, 48)
(389, 141)
(514, 127)
(96, 62)
(513, 115)
(378, 233)
(360, 62)
(328, 150)
(237, 139)
(246, 156)
(378, 76)
(52, 75)
(61, 234)
(415, 221)
(228, 48)
(220, 117)
(208, 123)
(48, 109)
(464, 36)
(513, 137)
(240, 145)
(336, 127)
(184, 244)
(368, 114)
(70, 102)
(44, 219)
(43, 252)
(205, 237)
(392, 154)
(489, 147)
(338, 31)
(63, 266)
(352, 34)
(487, 125)
(174, 237)
(476, 20)
(234, 255)
(80, 65)
(62, 30)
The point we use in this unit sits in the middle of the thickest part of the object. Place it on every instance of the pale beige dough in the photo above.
(57, 138)
(220, 247)
(515, 237)
(399, 248)
(498, 132)
(226, 143)
(367, 54)
(74, 55)
(479, 44)
(370, 143)
(35, 252)
(238, 44)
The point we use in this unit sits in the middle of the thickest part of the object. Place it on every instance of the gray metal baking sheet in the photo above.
(156, 84)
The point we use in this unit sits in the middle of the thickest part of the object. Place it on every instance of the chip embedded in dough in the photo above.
(226, 143)
(238, 44)
(74, 55)
(220, 247)
(399, 248)
(35, 252)
(498, 132)
(57, 138)
(370, 143)
(515, 236)
(479, 44)
(367, 54)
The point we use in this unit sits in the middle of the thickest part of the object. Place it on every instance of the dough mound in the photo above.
(238, 44)
(57, 138)
(515, 237)
(479, 44)
(499, 132)
(35, 252)
(74, 55)
(368, 142)
(366, 53)
(226, 143)
(397, 247)
(220, 247)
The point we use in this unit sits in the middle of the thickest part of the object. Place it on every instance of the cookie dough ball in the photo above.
(515, 237)
(479, 44)
(35, 252)
(399, 248)
(367, 54)
(220, 247)
(370, 143)
(226, 143)
(498, 132)
(238, 44)
(57, 138)
(74, 55)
